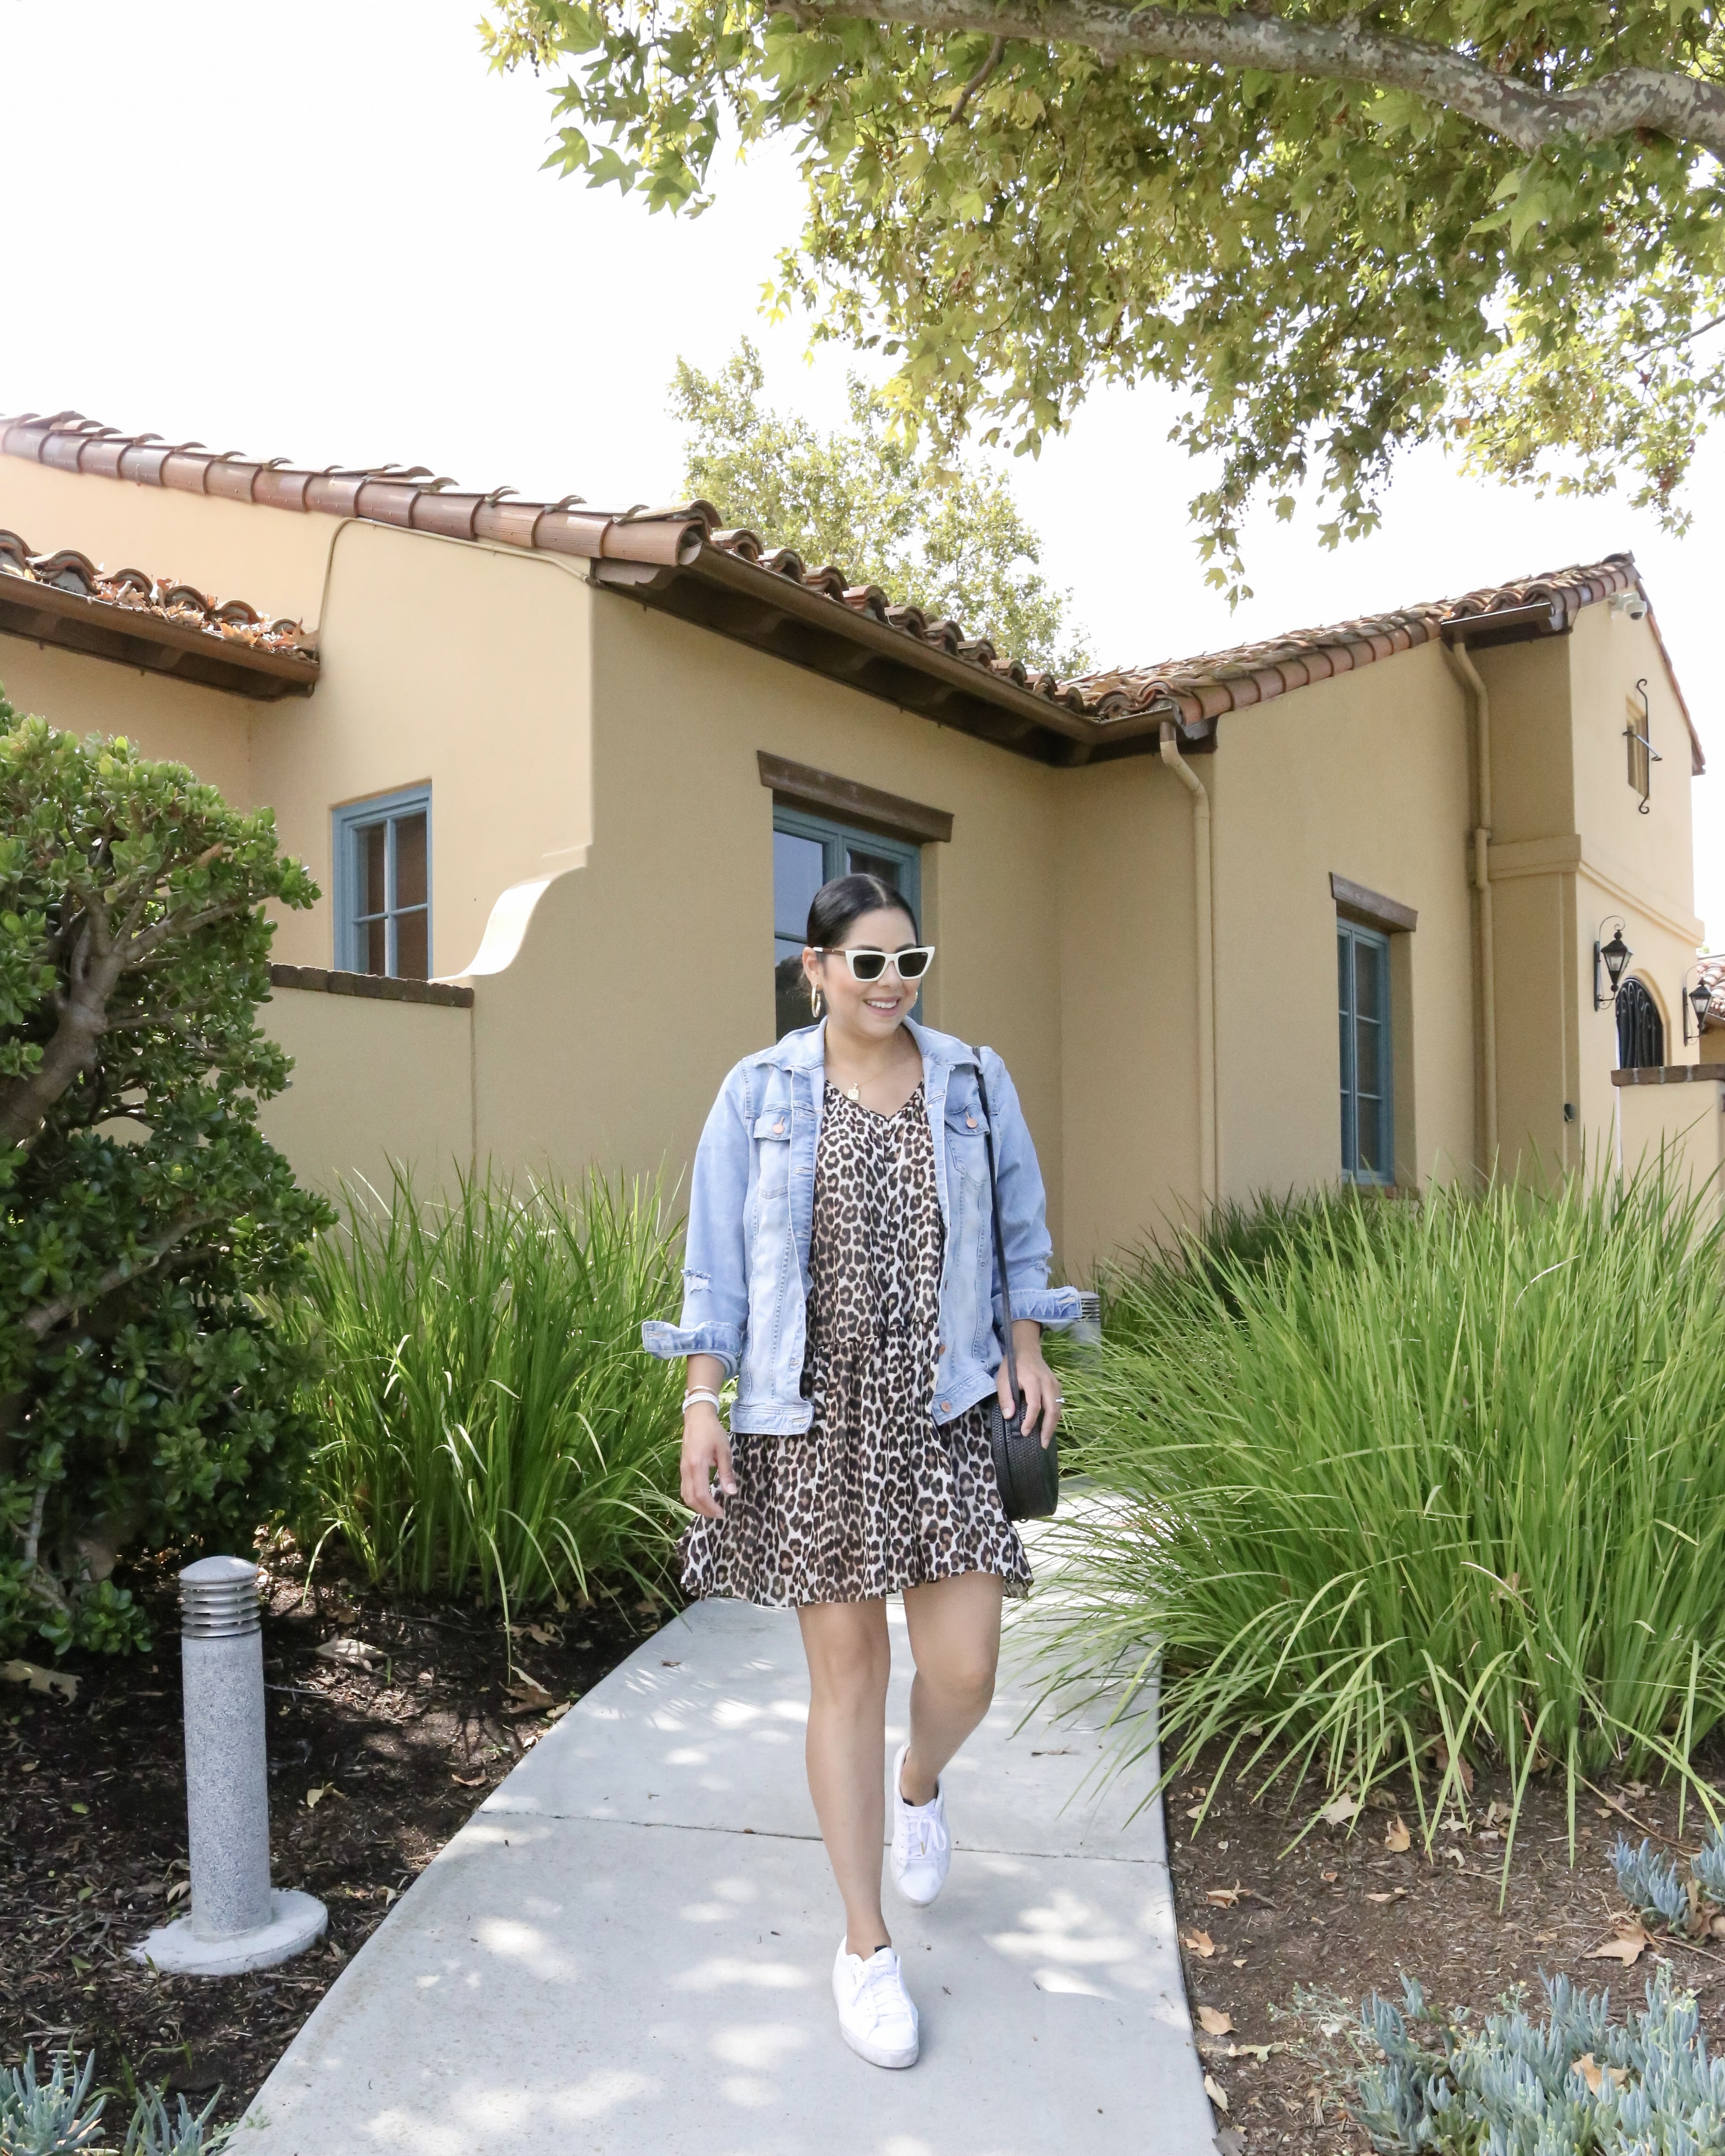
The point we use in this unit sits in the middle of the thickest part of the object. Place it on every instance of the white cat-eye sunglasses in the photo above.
(911, 963)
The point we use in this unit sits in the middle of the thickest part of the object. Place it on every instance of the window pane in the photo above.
(412, 951)
(374, 944)
(884, 866)
(1368, 1050)
(1342, 970)
(410, 863)
(373, 844)
(1370, 1125)
(798, 871)
(1367, 973)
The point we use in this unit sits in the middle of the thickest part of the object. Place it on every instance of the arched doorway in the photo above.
(1640, 1030)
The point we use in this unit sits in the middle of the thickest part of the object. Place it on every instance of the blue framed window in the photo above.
(1363, 984)
(382, 854)
(809, 850)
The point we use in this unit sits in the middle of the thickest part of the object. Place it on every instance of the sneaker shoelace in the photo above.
(926, 1832)
(880, 1994)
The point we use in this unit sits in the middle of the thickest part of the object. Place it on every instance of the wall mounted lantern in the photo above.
(1698, 999)
(1609, 960)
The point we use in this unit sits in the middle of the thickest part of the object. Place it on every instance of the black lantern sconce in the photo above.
(1609, 961)
(1698, 999)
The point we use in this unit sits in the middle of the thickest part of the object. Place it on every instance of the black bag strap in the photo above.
(1012, 1366)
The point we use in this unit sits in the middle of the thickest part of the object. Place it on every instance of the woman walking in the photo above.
(839, 1265)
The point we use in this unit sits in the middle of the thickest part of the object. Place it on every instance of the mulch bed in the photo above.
(372, 1769)
(1285, 1943)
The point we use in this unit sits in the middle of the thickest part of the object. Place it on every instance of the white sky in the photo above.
(321, 231)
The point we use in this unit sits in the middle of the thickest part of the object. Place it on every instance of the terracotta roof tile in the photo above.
(231, 620)
(64, 597)
(1097, 713)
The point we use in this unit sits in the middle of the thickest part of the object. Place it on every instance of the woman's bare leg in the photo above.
(954, 1639)
(850, 1658)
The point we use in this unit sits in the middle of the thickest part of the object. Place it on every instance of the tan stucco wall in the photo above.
(1687, 1123)
(274, 559)
(209, 729)
(1365, 776)
(464, 666)
(373, 1083)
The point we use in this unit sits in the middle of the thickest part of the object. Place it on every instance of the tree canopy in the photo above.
(948, 538)
(1337, 233)
(145, 1399)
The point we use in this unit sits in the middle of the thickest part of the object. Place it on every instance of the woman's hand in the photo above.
(1037, 1382)
(706, 1454)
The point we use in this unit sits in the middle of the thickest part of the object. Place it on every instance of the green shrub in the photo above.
(144, 1402)
(492, 1424)
(1451, 1470)
(1575, 2084)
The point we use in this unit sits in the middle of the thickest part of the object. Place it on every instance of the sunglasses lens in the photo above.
(868, 965)
(912, 965)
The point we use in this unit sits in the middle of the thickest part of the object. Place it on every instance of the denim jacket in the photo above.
(752, 1210)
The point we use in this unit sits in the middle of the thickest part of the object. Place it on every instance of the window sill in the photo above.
(1672, 1074)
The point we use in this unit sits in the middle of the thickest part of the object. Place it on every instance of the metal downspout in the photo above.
(1206, 1160)
(1461, 662)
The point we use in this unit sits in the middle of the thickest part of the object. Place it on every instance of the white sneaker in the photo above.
(921, 1847)
(876, 2016)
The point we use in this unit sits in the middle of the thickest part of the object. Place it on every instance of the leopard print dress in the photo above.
(875, 1495)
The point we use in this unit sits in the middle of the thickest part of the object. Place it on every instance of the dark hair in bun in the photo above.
(846, 899)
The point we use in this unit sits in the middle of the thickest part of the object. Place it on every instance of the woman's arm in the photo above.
(1037, 1386)
(715, 1313)
(706, 1449)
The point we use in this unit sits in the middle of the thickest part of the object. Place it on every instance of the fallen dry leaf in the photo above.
(1215, 2092)
(557, 1713)
(468, 1781)
(1397, 1840)
(1199, 1943)
(547, 1635)
(1463, 1772)
(1194, 1811)
(1596, 2075)
(1213, 2021)
(357, 1654)
(1329, 1878)
(1628, 1948)
(40, 1680)
(313, 1798)
(1345, 1807)
(1222, 1897)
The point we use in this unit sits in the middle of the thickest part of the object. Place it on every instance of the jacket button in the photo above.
(970, 1122)
(946, 1407)
(778, 1127)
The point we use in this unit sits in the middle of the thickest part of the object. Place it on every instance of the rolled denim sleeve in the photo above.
(715, 1315)
(1024, 1212)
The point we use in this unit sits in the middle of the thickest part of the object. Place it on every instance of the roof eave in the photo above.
(719, 591)
(133, 636)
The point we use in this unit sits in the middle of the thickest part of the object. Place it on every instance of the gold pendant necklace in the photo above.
(853, 1093)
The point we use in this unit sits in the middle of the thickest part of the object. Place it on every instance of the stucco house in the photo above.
(566, 778)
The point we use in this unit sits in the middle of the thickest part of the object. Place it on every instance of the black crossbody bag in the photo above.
(1027, 1471)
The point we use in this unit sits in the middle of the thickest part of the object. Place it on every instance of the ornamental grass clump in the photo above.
(492, 1427)
(1386, 1484)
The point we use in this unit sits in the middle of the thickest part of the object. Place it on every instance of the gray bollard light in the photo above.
(238, 1921)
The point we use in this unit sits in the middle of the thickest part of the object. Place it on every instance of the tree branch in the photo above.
(1684, 107)
(39, 1322)
(997, 53)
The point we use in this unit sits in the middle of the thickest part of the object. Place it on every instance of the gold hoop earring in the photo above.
(814, 999)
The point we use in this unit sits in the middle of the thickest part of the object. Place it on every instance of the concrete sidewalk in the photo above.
(627, 1948)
